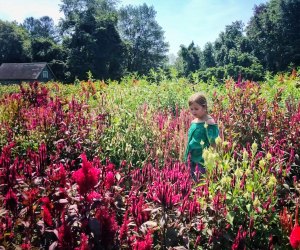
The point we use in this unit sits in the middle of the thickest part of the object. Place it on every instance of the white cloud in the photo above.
(18, 11)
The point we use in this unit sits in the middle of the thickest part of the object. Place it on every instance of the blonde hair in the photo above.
(199, 99)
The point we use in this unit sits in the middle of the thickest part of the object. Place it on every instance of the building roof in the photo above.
(21, 71)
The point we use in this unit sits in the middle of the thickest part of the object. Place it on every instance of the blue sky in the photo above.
(183, 21)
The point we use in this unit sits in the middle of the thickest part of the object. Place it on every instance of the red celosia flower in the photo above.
(295, 237)
(93, 195)
(84, 243)
(11, 200)
(239, 241)
(145, 244)
(47, 206)
(286, 220)
(109, 225)
(58, 175)
(25, 246)
(64, 236)
(138, 210)
(110, 179)
(164, 194)
(46, 201)
(124, 227)
(47, 216)
(29, 197)
(86, 177)
(110, 167)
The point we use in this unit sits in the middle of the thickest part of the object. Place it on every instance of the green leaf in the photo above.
(249, 187)
(230, 218)
(248, 206)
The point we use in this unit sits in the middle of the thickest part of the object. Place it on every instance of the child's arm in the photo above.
(194, 144)
(212, 132)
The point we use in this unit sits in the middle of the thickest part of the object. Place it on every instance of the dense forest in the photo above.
(97, 37)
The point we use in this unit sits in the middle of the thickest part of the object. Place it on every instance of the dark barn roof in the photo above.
(20, 71)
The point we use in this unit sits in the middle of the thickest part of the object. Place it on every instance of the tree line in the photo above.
(96, 36)
(270, 42)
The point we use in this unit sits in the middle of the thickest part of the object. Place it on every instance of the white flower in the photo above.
(205, 154)
(226, 180)
(245, 155)
(248, 171)
(272, 181)
(254, 148)
(238, 172)
(262, 163)
(218, 140)
(256, 202)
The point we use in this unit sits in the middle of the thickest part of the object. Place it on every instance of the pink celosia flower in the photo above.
(109, 180)
(145, 244)
(86, 177)
(84, 243)
(93, 195)
(60, 175)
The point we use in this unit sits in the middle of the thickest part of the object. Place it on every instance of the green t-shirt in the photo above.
(200, 136)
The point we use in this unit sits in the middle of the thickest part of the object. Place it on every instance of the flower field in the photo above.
(99, 166)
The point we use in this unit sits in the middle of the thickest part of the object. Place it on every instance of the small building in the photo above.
(11, 73)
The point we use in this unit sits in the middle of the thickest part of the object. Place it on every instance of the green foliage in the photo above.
(140, 124)
(273, 31)
(14, 43)
(40, 28)
(95, 36)
(144, 38)
(190, 58)
(94, 43)
(250, 192)
(208, 56)
(228, 41)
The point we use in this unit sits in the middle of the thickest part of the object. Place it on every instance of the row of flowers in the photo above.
(63, 187)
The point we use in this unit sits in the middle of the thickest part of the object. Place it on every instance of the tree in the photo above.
(208, 56)
(14, 43)
(274, 33)
(45, 45)
(46, 50)
(190, 57)
(290, 25)
(92, 39)
(144, 38)
(264, 34)
(228, 40)
(42, 27)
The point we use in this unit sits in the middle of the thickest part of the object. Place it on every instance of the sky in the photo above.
(183, 21)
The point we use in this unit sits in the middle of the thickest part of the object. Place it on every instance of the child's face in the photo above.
(197, 110)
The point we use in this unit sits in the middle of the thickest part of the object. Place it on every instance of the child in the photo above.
(202, 133)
